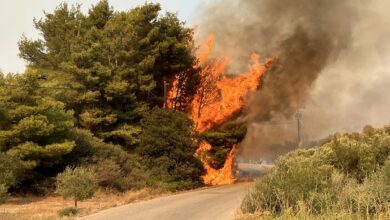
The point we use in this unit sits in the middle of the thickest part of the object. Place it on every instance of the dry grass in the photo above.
(241, 216)
(305, 215)
(46, 208)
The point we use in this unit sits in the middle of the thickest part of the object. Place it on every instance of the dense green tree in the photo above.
(167, 144)
(33, 127)
(79, 183)
(115, 63)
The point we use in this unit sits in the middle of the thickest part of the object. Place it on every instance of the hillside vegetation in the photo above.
(347, 177)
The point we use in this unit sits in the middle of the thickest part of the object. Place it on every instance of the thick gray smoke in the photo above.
(326, 65)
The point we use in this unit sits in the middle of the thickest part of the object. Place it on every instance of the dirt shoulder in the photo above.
(47, 208)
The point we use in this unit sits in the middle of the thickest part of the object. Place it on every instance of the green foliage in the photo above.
(115, 63)
(68, 212)
(10, 170)
(34, 128)
(348, 174)
(223, 139)
(79, 183)
(300, 175)
(117, 169)
(168, 147)
(353, 157)
(3, 193)
(90, 80)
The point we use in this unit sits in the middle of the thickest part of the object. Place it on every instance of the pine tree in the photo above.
(167, 144)
(115, 63)
(33, 127)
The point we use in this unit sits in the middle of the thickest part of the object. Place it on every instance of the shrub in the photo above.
(298, 176)
(347, 177)
(371, 196)
(10, 170)
(108, 173)
(3, 193)
(116, 168)
(353, 157)
(79, 183)
(71, 211)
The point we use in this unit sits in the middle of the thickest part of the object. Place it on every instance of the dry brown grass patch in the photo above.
(46, 208)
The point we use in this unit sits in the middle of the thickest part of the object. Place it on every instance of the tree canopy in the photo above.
(33, 127)
(168, 147)
(91, 96)
(79, 183)
(114, 62)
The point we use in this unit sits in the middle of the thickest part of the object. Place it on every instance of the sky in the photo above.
(16, 19)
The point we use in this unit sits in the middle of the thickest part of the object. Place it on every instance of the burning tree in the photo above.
(216, 100)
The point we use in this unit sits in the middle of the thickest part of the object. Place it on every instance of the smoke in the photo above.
(331, 64)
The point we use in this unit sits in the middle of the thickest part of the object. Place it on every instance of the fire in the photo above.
(223, 176)
(216, 100)
(220, 96)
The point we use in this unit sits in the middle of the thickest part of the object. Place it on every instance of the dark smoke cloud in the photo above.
(315, 42)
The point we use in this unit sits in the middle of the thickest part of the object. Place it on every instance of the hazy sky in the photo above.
(16, 19)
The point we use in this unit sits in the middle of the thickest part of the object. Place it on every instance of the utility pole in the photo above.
(298, 117)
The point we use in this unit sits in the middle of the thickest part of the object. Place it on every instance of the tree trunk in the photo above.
(75, 203)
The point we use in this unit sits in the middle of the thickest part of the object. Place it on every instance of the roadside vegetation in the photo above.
(347, 177)
(88, 110)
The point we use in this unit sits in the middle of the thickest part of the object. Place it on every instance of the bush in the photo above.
(71, 211)
(301, 175)
(353, 157)
(10, 170)
(3, 193)
(347, 177)
(79, 183)
(371, 196)
(116, 168)
(108, 173)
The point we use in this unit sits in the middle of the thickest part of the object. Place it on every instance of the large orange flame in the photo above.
(217, 99)
(223, 176)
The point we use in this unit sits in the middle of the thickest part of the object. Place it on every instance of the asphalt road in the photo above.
(219, 203)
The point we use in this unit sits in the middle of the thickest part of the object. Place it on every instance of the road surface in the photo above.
(219, 203)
